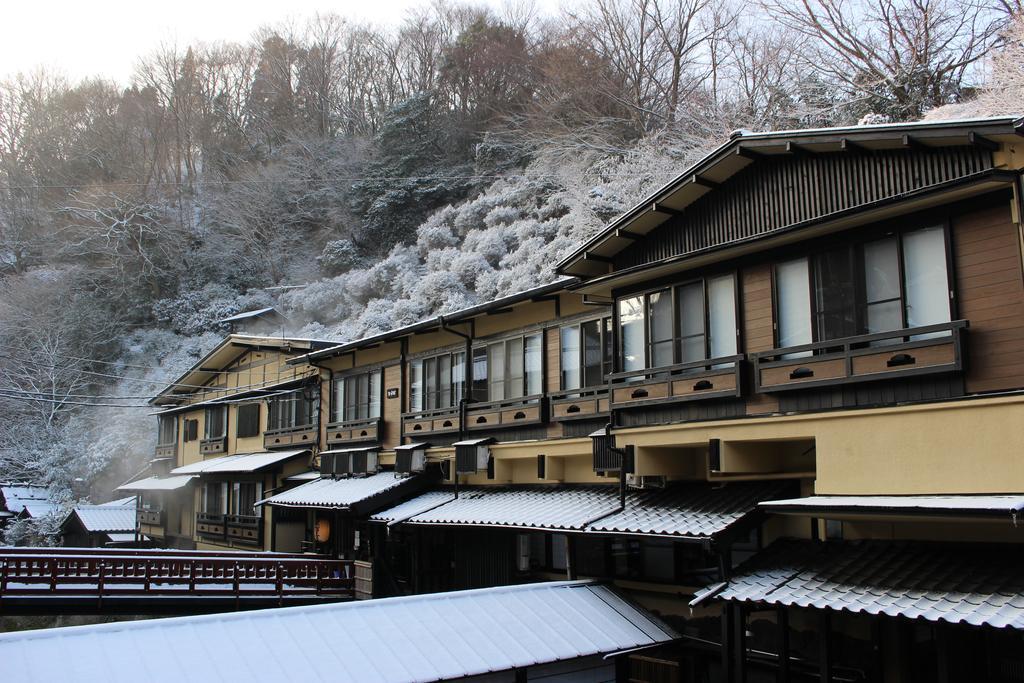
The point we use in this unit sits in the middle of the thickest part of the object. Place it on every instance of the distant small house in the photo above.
(260, 321)
(25, 500)
(95, 526)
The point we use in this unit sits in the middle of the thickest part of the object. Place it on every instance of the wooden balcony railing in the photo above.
(434, 421)
(514, 412)
(212, 525)
(245, 528)
(151, 517)
(167, 450)
(692, 381)
(577, 404)
(214, 446)
(931, 349)
(303, 435)
(354, 431)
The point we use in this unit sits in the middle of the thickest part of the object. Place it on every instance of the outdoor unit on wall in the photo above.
(327, 464)
(411, 457)
(471, 456)
(645, 481)
(363, 461)
(608, 458)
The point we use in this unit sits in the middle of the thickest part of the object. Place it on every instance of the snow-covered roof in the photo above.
(105, 517)
(431, 637)
(240, 463)
(308, 475)
(157, 483)
(33, 499)
(342, 493)
(974, 505)
(415, 506)
(123, 537)
(129, 501)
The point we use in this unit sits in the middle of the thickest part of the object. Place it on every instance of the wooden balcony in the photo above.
(354, 431)
(515, 412)
(928, 350)
(588, 403)
(151, 517)
(436, 421)
(692, 381)
(213, 446)
(304, 436)
(210, 525)
(168, 450)
(245, 528)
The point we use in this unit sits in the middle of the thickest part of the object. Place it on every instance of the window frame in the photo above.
(507, 377)
(455, 389)
(339, 409)
(854, 247)
(606, 335)
(207, 412)
(293, 412)
(673, 288)
(239, 422)
(161, 421)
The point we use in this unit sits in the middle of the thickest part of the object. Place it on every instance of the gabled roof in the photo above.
(209, 365)
(432, 637)
(156, 483)
(31, 499)
(958, 583)
(239, 463)
(745, 148)
(344, 493)
(104, 517)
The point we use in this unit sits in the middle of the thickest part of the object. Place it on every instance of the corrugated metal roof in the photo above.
(690, 510)
(35, 500)
(239, 463)
(158, 483)
(986, 505)
(567, 508)
(308, 475)
(121, 502)
(431, 637)
(340, 493)
(120, 537)
(106, 517)
(969, 583)
(685, 510)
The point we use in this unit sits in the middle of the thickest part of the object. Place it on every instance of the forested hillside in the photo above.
(361, 177)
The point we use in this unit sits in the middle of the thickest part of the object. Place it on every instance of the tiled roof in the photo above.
(690, 510)
(240, 463)
(432, 637)
(106, 517)
(562, 508)
(341, 493)
(993, 505)
(683, 510)
(158, 483)
(969, 583)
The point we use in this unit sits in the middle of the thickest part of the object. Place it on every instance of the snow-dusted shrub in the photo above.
(338, 256)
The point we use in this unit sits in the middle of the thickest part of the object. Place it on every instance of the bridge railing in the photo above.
(91, 573)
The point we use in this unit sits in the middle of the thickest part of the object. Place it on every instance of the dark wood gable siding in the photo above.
(776, 192)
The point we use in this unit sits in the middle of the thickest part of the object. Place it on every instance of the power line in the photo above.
(77, 403)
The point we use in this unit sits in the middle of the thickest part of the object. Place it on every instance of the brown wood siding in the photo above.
(758, 331)
(392, 412)
(553, 360)
(773, 193)
(990, 291)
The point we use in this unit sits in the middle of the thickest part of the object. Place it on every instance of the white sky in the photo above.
(105, 37)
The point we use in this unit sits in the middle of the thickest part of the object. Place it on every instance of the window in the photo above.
(586, 353)
(215, 424)
(357, 397)
(167, 430)
(215, 498)
(248, 420)
(293, 409)
(244, 495)
(691, 322)
(436, 382)
(191, 430)
(511, 368)
(898, 281)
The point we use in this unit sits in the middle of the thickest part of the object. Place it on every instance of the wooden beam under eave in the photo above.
(703, 182)
(796, 150)
(910, 142)
(849, 146)
(588, 256)
(982, 142)
(627, 235)
(666, 210)
(748, 153)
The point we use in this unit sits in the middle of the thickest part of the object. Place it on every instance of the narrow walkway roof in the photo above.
(158, 483)
(346, 492)
(1001, 506)
(241, 463)
(968, 583)
(440, 636)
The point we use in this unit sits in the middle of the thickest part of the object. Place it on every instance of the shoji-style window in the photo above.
(216, 422)
(244, 495)
(437, 382)
(894, 282)
(215, 498)
(356, 397)
(510, 368)
(586, 353)
(689, 322)
(293, 409)
(167, 430)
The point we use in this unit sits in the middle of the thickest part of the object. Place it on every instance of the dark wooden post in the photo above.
(783, 627)
(727, 672)
(739, 623)
(825, 646)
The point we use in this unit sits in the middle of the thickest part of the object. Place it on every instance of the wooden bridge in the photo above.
(102, 580)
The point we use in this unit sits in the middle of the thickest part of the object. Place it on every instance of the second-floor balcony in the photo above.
(166, 450)
(434, 421)
(303, 435)
(354, 431)
(513, 412)
(213, 446)
(927, 350)
(691, 381)
(580, 404)
(152, 518)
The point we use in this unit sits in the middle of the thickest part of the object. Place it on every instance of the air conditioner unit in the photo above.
(363, 462)
(647, 481)
(327, 464)
(410, 458)
(472, 456)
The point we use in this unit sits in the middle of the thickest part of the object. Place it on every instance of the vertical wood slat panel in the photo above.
(779, 191)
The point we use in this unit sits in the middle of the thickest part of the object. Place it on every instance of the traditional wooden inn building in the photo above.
(777, 403)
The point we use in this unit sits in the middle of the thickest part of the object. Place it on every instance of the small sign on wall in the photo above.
(392, 393)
